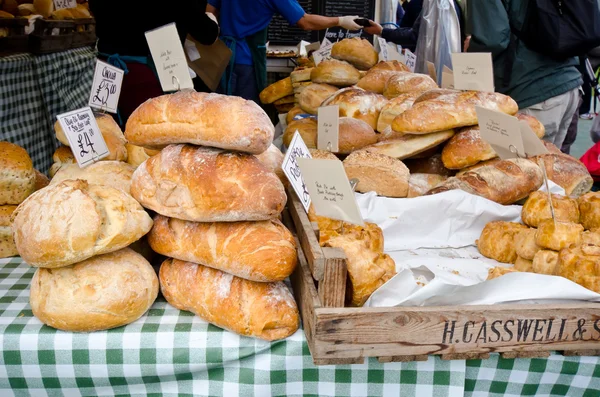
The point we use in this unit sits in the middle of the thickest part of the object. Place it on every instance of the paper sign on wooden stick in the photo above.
(501, 131)
(328, 128)
(297, 150)
(531, 143)
(169, 58)
(383, 49)
(106, 87)
(411, 60)
(84, 136)
(330, 190)
(473, 71)
(322, 53)
(60, 4)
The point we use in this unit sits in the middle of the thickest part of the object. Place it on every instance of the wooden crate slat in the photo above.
(332, 288)
(402, 359)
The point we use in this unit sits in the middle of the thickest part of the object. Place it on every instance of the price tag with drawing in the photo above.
(322, 53)
(60, 4)
(328, 128)
(383, 49)
(84, 136)
(330, 191)
(169, 58)
(106, 87)
(473, 71)
(411, 60)
(297, 150)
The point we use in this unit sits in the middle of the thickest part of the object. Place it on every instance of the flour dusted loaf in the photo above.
(279, 89)
(465, 149)
(382, 174)
(313, 96)
(404, 82)
(116, 174)
(497, 241)
(262, 310)
(537, 208)
(208, 185)
(71, 221)
(221, 121)
(259, 251)
(272, 158)
(408, 145)
(17, 176)
(334, 72)
(136, 155)
(358, 52)
(103, 292)
(7, 244)
(393, 108)
(62, 155)
(358, 104)
(391, 65)
(376, 79)
(567, 172)
(536, 126)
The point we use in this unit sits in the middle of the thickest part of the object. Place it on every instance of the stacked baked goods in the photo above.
(217, 211)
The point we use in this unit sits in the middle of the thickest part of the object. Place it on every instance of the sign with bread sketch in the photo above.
(84, 136)
(60, 4)
(106, 87)
(291, 169)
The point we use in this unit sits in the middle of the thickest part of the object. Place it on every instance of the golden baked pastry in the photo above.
(525, 245)
(589, 208)
(556, 235)
(574, 264)
(523, 265)
(537, 208)
(497, 241)
(498, 271)
(590, 243)
(545, 262)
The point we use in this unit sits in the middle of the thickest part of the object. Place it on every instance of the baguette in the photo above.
(409, 145)
(262, 310)
(392, 109)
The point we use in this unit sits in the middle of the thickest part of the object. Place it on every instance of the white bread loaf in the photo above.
(405, 82)
(311, 98)
(72, 221)
(334, 72)
(393, 108)
(116, 174)
(17, 176)
(382, 174)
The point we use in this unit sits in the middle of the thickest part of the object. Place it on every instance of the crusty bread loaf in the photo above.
(300, 74)
(545, 262)
(258, 251)
(208, 185)
(419, 184)
(41, 180)
(262, 310)
(536, 125)
(111, 132)
(277, 90)
(556, 235)
(72, 221)
(504, 182)
(17, 176)
(537, 208)
(376, 79)
(136, 155)
(589, 209)
(404, 82)
(285, 108)
(552, 148)
(523, 265)
(286, 100)
(306, 127)
(409, 145)
(322, 154)
(312, 97)
(442, 94)
(466, 148)
(116, 174)
(392, 109)
(497, 241)
(358, 104)
(226, 122)
(525, 245)
(296, 110)
(358, 52)
(391, 65)
(479, 165)
(430, 165)
(451, 111)
(382, 174)
(574, 264)
(7, 244)
(62, 155)
(62, 14)
(272, 158)
(102, 292)
(567, 172)
(334, 72)
(25, 10)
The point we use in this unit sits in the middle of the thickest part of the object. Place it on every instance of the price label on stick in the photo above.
(411, 60)
(330, 191)
(473, 71)
(291, 169)
(383, 49)
(328, 128)
(502, 132)
(322, 53)
(60, 4)
(531, 143)
(395, 53)
(169, 58)
(106, 87)
(84, 136)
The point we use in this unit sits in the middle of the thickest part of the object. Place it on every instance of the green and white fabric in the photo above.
(173, 353)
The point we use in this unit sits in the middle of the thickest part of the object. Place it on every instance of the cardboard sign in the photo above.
(297, 150)
(473, 71)
(84, 136)
(106, 87)
(328, 128)
(411, 60)
(312, 47)
(531, 143)
(60, 4)
(383, 49)
(395, 53)
(330, 190)
(501, 131)
(431, 71)
(325, 42)
(169, 58)
(322, 53)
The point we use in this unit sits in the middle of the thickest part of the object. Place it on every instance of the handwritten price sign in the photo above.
(84, 136)
(106, 87)
(328, 128)
(59, 4)
(411, 60)
(291, 169)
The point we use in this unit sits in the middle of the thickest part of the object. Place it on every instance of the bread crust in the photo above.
(537, 208)
(334, 72)
(358, 52)
(382, 174)
(404, 82)
(466, 148)
(17, 176)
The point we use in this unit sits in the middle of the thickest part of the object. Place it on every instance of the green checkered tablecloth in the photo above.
(174, 353)
(34, 89)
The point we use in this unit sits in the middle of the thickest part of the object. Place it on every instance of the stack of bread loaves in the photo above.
(217, 207)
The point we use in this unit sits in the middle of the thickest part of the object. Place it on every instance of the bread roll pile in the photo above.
(217, 210)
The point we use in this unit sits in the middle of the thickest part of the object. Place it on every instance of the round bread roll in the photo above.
(296, 110)
(272, 158)
(17, 176)
(430, 165)
(466, 148)
(334, 72)
(537, 208)
(523, 265)
(136, 155)
(382, 174)
(69, 222)
(497, 241)
(574, 264)
(311, 98)
(358, 52)
(322, 154)
(525, 245)
(419, 184)
(115, 174)
(589, 208)
(376, 79)
(536, 125)
(41, 180)
(545, 262)
(567, 172)
(103, 292)
(556, 235)
(63, 155)
(276, 91)
(307, 128)
(391, 65)
(7, 244)
(392, 109)
(403, 82)
(358, 104)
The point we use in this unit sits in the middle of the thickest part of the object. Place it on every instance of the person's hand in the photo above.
(467, 42)
(348, 23)
(374, 28)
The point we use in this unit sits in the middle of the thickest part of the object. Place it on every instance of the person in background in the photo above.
(412, 12)
(244, 26)
(399, 12)
(120, 27)
(543, 87)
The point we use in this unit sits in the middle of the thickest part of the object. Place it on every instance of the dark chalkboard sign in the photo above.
(282, 33)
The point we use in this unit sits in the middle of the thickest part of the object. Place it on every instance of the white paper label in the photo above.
(84, 136)
(501, 131)
(328, 128)
(322, 54)
(330, 190)
(296, 150)
(313, 47)
(531, 143)
(395, 53)
(411, 60)
(325, 42)
(106, 87)
(169, 58)
(383, 49)
(447, 80)
(60, 4)
(473, 71)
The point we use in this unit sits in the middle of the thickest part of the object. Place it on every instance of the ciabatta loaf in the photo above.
(392, 109)
(404, 82)
(407, 145)
(313, 96)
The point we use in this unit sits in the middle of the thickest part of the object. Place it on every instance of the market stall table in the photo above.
(172, 352)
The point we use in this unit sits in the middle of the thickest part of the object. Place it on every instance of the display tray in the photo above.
(340, 335)
(16, 41)
(53, 36)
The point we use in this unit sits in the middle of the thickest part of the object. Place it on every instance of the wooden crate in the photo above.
(14, 39)
(51, 36)
(339, 335)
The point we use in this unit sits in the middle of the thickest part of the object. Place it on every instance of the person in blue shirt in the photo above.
(244, 26)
